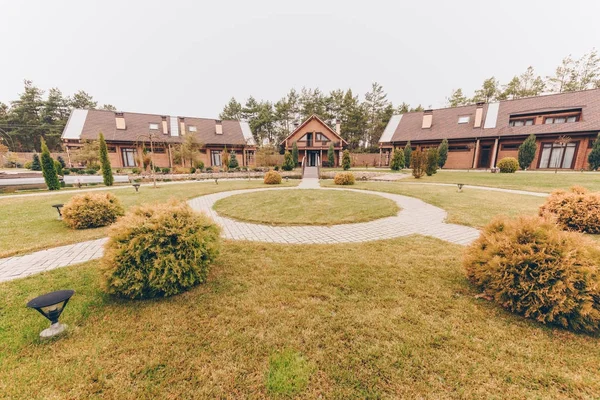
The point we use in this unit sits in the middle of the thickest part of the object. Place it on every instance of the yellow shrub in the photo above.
(272, 178)
(576, 210)
(508, 165)
(531, 267)
(159, 250)
(92, 210)
(344, 178)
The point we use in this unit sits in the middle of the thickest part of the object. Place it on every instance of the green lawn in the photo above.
(30, 223)
(533, 181)
(306, 207)
(470, 207)
(385, 319)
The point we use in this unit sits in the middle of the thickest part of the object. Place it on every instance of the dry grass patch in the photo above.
(306, 207)
(386, 319)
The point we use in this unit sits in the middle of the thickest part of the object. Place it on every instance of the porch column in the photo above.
(476, 154)
(380, 153)
(340, 157)
(494, 152)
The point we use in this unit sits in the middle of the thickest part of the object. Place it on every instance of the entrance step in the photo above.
(311, 172)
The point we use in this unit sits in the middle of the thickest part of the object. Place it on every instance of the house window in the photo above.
(249, 157)
(215, 158)
(555, 155)
(112, 149)
(561, 120)
(521, 122)
(458, 148)
(153, 127)
(463, 119)
(157, 150)
(192, 128)
(510, 146)
(319, 137)
(128, 157)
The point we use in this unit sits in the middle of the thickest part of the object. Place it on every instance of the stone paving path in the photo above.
(415, 217)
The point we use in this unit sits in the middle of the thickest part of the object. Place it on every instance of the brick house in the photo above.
(313, 138)
(481, 134)
(128, 136)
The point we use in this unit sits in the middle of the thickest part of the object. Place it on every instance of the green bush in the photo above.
(594, 156)
(288, 162)
(443, 153)
(344, 178)
(272, 178)
(199, 165)
(397, 162)
(62, 162)
(28, 165)
(135, 170)
(331, 155)
(432, 161)
(58, 167)
(407, 154)
(107, 175)
(508, 165)
(36, 165)
(66, 171)
(346, 162)
(233, 162)
(531, 267)
(159, 250)
(90, 171)
(79, 171)
(527, 152)
(48, 169)
(91, 210)
(576, 210)
(165, 170)
(295, 154)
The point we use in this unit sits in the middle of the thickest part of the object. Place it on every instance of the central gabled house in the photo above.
(313, 138)
(128, 136)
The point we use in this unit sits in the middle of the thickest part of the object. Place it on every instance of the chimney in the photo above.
(182, 125)
(427, 119)
(479, 114)
(120, 120)
(218, 127)
(338, 127)
(165, 125)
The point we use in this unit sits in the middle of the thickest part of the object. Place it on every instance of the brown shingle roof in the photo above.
(137, 126)
(445, 121)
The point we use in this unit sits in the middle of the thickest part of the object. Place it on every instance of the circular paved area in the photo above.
(415, 217)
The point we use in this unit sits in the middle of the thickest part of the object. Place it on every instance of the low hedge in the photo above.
(272, 178)
(92, 210)
(533, 268)
(508, 165)
(575, 210)
(344, 178)
(159, 250)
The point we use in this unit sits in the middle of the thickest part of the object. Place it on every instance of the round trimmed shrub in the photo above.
(272, 178)
(159, 250)
(575, 210)
(508, 165)
(91, 210)
(533, 268)
(344, 178)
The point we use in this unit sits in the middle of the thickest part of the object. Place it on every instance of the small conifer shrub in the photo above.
(575, 210)
(344, 178)
(91, 210)
(346, 162)
(272, 178)
(508, 165)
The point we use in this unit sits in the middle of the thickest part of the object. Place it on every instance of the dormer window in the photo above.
(192, 128)
(561, 120)
(464, 119)
(521, 122)
(153, 127)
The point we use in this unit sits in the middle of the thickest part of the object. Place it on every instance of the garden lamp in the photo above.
(136, 186)
(58, 207)
(51, 305)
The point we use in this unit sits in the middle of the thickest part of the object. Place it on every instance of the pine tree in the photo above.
(397, 162)
(527, 152)
(594, 156)
(288, 162)
(417, 160)
(432, 161)
(443, 153)
(35, 163)
(295, 154)
(58, 168)
(233, 162)
(330, 155)
(107, 175)
(48, 169)
(346, 162)
(61, 161)
(407, 154)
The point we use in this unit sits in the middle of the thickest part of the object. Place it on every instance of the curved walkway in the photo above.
(415, 217)
(489, 188)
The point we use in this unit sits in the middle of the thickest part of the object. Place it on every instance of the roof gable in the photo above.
(318, 120)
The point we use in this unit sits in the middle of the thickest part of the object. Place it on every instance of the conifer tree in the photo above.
(417, 160)
(527, 152)
(443, 153)
(35, 163)
(61, 161)
(48, 169)
(295, 154)
(288, 162)
(407, 154)
(397, 162)
(594, 156)
(107, 175)
(330, 155)
(346, 162)
(233, 162)
(432, 161)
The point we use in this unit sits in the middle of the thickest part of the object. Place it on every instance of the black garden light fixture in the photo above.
(460, 186)
(287, 178)
(136, 186)
(58, 207)
(51, 305)
(216, 181)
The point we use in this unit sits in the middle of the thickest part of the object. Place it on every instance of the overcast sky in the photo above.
(190, 57)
